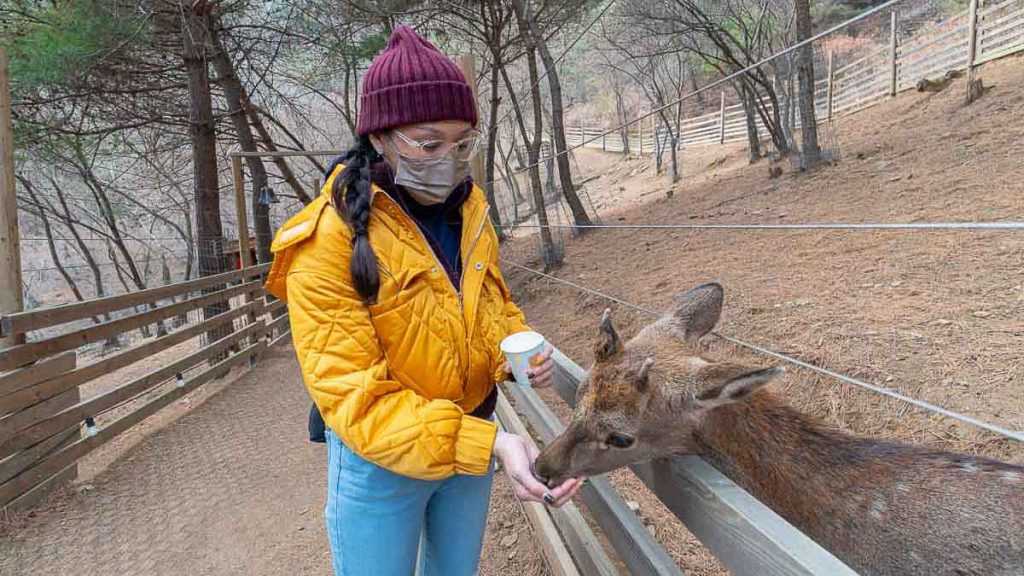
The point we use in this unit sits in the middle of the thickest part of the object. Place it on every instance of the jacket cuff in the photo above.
(474, 446)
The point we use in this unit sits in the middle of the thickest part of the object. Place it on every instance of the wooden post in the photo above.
(892, 55)
(238, 178)
(604, 141)
(972, 48)
(468, 67)
(831, 86)
(244, 254)
(721, 120)
(11, 298)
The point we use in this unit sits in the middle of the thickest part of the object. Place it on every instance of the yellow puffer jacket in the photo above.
(396, 380)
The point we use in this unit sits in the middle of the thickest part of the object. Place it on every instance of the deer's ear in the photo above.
(698, 311)
(730, 383)
(643, 375)
(608, 345)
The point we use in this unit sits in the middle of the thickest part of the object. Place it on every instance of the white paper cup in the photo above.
(521, 349)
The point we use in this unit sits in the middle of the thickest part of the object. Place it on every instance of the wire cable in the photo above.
(796, 362)
(1009, 225)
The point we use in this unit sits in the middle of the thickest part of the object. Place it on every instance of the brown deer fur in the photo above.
(883, 508)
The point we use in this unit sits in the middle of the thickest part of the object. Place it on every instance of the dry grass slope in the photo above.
(936, 315)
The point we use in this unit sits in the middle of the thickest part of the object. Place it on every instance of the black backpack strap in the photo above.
(317, 429)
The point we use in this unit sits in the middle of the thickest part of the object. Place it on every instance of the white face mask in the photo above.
(430, 182)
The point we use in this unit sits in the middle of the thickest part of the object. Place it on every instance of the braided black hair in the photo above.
(351, 195)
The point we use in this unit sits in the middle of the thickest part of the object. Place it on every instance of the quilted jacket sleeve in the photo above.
(347, 376)
(514, 317)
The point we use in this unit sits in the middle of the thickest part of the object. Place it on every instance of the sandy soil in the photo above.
(938, 315)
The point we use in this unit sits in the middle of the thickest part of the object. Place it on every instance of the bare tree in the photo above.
(810, 152)
(536, 43)
(235, 94)
(195, 27)
(729, 36)
(533, 143)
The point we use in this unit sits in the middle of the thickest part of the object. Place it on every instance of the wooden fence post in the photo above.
(892, 55)
(468, 67)
(11, 298)
(972, 48)
(242, 214)
(831, 86)
(604, 141)
(721, 120)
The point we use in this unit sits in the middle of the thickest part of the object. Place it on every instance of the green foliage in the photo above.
(57, 42)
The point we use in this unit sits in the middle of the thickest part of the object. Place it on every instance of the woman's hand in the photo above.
(517, 456)
(541, 374)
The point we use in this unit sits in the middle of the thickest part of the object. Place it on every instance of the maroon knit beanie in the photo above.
(412, 81)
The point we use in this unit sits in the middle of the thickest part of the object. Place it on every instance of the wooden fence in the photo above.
(848, 87)
(47, 420)
(52, 414)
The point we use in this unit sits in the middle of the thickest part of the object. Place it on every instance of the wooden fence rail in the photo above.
(635, 546)
(47, 423)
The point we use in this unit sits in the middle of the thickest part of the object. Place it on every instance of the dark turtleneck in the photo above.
(441, 224)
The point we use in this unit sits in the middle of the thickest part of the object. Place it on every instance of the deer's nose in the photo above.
(538, 476)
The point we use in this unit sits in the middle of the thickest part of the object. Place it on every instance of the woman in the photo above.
(397, 309)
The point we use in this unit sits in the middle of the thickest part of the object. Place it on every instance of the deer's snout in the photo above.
(546, 469)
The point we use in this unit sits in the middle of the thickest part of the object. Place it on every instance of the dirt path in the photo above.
(231, 487)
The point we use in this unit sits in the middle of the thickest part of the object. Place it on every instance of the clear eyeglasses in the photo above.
(464, 149)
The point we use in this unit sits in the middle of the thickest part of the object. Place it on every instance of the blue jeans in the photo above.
(377, 520)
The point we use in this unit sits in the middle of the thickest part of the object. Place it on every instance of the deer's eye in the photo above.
(620, 440)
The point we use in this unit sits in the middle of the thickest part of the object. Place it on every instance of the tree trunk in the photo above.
(511, 183)
(492, 148)
(235, 94)
(810, 152)
(620, 114)
(281, 163)
(195, 25)
(673, 144)
(750, 115)
(536, 43)
(51, 244)
(533, 151)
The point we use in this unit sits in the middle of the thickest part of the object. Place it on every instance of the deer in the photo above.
(882, 507)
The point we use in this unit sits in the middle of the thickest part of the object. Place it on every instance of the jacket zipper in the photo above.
(458, 289)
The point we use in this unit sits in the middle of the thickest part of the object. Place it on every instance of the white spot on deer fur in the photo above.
(1010, 476)
(902, 487)
(878, 508)
(696, 362)
(969, 467)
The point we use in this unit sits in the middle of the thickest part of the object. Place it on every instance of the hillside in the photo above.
(938, 315)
